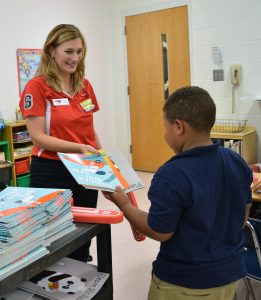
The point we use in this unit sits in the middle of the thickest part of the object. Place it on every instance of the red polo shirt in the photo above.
(67, 117)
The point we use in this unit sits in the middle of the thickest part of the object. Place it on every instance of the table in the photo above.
(257, 196)
(63, 247)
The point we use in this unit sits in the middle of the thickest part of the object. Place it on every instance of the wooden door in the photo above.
(157, 48)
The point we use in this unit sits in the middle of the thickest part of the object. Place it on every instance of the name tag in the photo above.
(87, 105)
(61, 101)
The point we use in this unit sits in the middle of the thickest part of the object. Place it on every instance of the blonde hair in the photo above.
(48, 67)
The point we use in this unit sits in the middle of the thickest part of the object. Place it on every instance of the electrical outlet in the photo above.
(218, 75)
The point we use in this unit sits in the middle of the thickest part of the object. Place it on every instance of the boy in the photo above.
(200, 200)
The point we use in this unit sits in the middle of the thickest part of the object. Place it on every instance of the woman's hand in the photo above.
(88, 148)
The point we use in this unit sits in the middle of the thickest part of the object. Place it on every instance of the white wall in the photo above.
(25, 24)
(232, 25)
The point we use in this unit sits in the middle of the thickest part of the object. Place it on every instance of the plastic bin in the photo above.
(23, 180)
(21, 166)
(229, 126)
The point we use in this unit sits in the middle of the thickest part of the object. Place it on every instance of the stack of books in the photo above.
(28, 217)
(59, 221)
(21, 136)
(23, 150)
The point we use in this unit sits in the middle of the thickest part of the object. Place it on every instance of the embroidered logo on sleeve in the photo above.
(28, 101)
(87, 105)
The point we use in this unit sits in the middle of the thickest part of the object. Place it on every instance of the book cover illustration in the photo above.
(100, 171)
(67, 279)
(16, 199)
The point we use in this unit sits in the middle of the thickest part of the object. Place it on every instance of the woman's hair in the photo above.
(48, 67)
(193, 105)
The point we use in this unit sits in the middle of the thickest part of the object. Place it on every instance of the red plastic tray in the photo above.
(138, 236)
(96, 215)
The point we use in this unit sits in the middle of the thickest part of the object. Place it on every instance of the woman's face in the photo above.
(68, 55)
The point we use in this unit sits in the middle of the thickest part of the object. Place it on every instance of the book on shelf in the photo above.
(101, 171)
(21, 136)
(66, 279)
(18, 294)
(23, 150)
(234, 145)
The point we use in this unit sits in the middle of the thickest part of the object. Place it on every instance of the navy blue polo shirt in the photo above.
(201, 195)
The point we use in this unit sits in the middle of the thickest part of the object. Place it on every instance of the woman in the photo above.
(58, 105)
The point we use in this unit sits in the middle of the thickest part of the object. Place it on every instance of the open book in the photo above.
(101, 171)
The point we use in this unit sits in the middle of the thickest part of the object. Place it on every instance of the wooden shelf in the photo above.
(233, 135)
(22, 156)
(5, 147)
(247, 138)
(7, 135)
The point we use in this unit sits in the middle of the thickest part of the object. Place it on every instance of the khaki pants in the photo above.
(161, 290)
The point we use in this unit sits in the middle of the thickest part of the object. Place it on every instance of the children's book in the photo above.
(18, 294)
(101, 171)
(67, 279)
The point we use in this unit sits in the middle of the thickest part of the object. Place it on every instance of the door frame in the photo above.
(146, 9)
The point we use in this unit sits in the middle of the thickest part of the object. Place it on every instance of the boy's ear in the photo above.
(179, 126)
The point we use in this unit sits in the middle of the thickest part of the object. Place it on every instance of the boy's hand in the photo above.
(118, 197)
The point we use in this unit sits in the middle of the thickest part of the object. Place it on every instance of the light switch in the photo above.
(218, 75)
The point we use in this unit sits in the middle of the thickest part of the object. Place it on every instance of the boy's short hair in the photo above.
(193, 105)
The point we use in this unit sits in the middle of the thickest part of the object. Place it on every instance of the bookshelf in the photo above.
(4, 147)
(20, 151)
(243, 142)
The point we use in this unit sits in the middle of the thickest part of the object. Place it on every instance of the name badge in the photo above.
(61, 101)
(87, 105)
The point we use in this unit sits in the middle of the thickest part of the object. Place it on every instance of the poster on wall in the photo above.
(27, 63)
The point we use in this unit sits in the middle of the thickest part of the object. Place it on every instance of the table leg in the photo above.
(104, 257)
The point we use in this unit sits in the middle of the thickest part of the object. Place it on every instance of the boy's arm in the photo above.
(135, 216)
